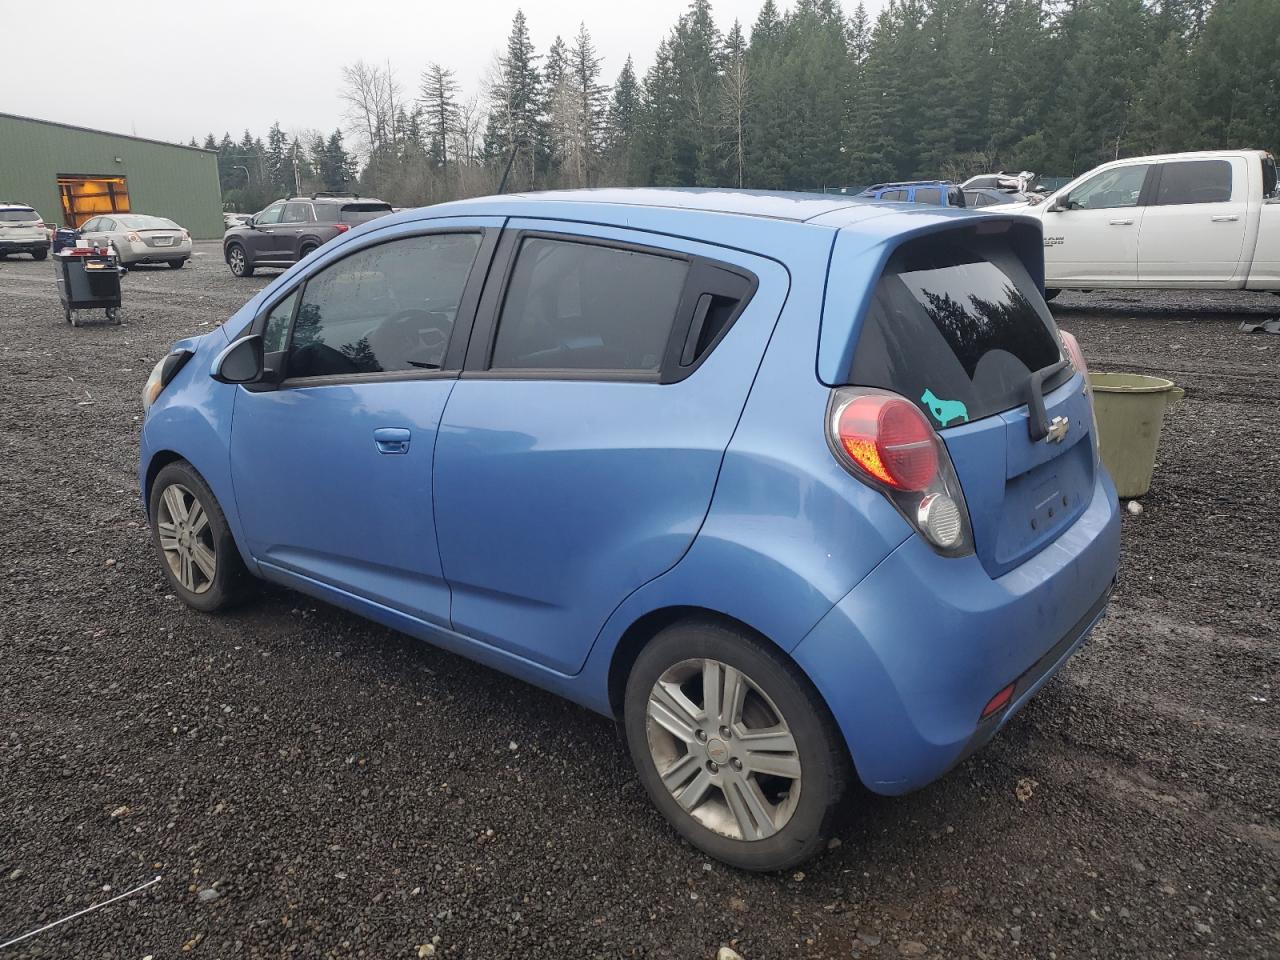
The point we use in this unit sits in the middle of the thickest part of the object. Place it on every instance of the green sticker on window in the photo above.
(944, 411)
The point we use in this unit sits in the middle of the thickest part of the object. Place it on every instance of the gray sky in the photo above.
(173, 71)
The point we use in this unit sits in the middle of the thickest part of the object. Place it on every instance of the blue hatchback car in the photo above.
(800, 488)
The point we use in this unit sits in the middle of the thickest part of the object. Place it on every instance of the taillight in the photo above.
(186, 235)
(1071, 347)
(342, 227)
(885, 441)
(1074, 354)
(889, 439)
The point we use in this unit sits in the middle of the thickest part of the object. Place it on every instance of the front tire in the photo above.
(238, 261)
(39, 254)
(190, 533)
(734, 746)
(1051, 294)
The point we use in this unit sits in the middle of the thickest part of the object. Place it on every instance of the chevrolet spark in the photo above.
(801, 489)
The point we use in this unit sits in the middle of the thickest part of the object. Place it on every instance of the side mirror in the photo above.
(1057, 206)
(955, 197)
(251, 223)
(239, 362)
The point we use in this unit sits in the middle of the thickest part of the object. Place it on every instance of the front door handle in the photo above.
(391, 439)
(1226, 218)
(1121, 223)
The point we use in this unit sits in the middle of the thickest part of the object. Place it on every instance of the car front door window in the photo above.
(387, 308)
(1111, 189)
(269, 216)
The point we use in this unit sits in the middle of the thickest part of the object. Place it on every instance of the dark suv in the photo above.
(289, 229)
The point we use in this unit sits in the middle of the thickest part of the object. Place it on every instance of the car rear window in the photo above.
(18, 215)
(956, 329)
(362, 212)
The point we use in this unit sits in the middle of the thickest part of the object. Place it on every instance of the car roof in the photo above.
(795, 207)
(15, 205)
(323, 199)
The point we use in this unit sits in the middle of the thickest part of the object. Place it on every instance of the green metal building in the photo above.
(70, 174)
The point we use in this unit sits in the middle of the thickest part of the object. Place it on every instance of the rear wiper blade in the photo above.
(422, 365)
(1038, 421)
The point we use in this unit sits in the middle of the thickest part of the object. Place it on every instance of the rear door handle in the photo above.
(1226, 218)
(1121, 223)
(392, 439)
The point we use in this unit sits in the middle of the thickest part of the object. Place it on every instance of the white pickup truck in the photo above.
(1206, 220)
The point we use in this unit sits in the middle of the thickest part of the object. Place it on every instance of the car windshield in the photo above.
(139, 222)
(18, 215)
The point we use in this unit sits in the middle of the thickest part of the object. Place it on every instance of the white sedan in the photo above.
(140, 239)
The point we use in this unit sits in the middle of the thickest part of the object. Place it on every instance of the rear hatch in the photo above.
(958, 326)
(354, 213)
(21, 223)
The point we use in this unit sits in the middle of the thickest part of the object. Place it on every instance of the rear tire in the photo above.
(177, 264)
(1051, 294)
(754, 806)
(190, 533)
(238, 261)
(306, 250)
(39, 254)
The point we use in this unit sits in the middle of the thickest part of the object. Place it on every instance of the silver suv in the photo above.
(289, 229)
(22, 231)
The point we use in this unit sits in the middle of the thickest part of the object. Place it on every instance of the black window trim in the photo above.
(479, 355)
(458, 338)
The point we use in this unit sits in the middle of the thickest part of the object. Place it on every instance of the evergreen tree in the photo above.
(591, 104)
(1237, 75)
(516, 127)
(279, 167)
(695, 62)
(735, 99)
(621, 133)
(440, 102)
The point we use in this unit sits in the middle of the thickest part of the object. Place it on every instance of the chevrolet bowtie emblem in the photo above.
(1058, 428)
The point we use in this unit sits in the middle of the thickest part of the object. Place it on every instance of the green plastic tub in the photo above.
(1130, 408)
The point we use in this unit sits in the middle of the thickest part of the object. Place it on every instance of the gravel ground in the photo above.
(310, 785)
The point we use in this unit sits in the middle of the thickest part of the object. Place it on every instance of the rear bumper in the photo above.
(908, 659)
(26, 245)
(141, 253)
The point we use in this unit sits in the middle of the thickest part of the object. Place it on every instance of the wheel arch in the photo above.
(159, 460)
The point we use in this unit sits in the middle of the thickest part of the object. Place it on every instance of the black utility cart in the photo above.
(88, 279)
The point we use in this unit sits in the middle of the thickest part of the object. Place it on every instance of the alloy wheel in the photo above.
(236, 259)
(186, 538)
(723, 749)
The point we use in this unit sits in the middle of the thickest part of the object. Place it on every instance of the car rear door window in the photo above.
(574, 305)
(296, 213)
(1194, 181)
(894, 195)
(957, 330)
(928, 195)
(386, 308)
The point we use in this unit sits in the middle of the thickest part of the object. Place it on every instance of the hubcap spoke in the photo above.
(204, 559)
(186, 572)
(671, 709)
(173, 500)
(197, 519)
(772, 752)
(695, 790)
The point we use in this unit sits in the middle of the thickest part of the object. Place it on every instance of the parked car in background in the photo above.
(877, 538)
(990, 196)
(22, 231)
(1208, 220)
(936, 192)
(139, 238)
(289, 229)
(230, 220)
(1024, 182)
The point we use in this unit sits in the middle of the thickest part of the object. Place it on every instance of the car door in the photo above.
(293, 223)
(578, 452)
(1091, 232)
(1194, 225)
(332, 459)
(265, 238)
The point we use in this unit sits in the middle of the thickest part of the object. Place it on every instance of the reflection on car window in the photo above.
(388, 307)
(580, 306)
(270, 215)
(277, 327)
(1110, 189)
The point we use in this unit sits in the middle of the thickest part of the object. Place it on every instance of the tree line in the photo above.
(809, 97)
